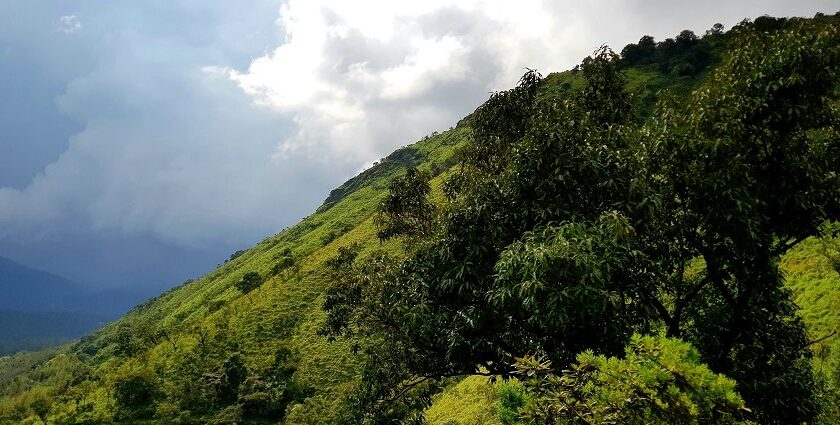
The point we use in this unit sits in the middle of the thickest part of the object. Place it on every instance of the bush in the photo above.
(215, 305)
(512, 399)
(249, 282)
(659, 381)
(135, 391)
(283, 264)
(257, 405)
(231, 415)
(683, 69)
(171, 413)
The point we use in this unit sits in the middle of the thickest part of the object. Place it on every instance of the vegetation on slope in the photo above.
(572, 225)
(244, 343)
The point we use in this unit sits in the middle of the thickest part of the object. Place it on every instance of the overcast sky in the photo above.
(142, 142)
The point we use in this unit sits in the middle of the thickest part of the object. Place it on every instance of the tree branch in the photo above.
(810, 343)
(692, 294)
(663, 312)
(784, 246)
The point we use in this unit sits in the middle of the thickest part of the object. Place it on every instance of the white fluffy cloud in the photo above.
(359, 78)
(69, 24)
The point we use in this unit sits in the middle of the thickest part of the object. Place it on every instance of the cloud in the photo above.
(69, 24)
(170, 148)
(360, 78)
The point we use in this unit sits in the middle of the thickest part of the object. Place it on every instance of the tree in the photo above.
(267, 396)
(132, 338)
(201, 335)
(225, 384)
(572, 226)
(768, 23)
(407, 210)
(235, 372)
(171, 334)
(286, 261)
(686, 39)
(496, 123)
(716, 30)
(249, 282)
(125, 344)
(236, 255)
(751, 169)
(134, 391)
(430, 316)
(633, 54)
(604, 98)
(41, 407)
(830, 245)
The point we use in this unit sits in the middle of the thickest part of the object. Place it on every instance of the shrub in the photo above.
(135, 391)
(249, 282)
(659, 381)
(512, 399)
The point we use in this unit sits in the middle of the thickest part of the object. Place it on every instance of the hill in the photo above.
(28, 289)
(40, 309)
(35, 330)
(245, 340)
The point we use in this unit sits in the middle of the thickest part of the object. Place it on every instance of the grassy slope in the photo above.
(285, 311)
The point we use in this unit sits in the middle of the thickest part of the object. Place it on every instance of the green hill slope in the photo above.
(174, 358)
(284, 312)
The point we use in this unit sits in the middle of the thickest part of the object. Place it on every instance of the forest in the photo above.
(649, 237)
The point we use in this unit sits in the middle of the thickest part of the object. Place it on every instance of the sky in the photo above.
(143, 142)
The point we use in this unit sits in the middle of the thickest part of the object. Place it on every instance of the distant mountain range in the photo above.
(39, 308)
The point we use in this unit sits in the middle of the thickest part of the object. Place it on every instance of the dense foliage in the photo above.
(659, 381)
(570, 226)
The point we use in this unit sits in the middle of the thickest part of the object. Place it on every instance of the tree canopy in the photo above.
(571, 226)
(249, 282)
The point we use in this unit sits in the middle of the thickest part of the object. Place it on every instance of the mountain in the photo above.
(40, 309)
(245, 343)
(28, 289)
(34, 330)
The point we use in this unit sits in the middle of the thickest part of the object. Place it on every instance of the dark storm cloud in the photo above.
(130, 143)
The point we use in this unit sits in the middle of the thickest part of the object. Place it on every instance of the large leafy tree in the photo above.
(407, 210)
(571, 226)
(748, 173)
